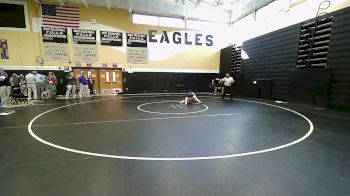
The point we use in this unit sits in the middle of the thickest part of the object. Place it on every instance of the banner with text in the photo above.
(54, 35)
(85, 53)
(136, 40)
(56, 52)
(83, 36)
(109, 38)
(137, 51)
(137, 55)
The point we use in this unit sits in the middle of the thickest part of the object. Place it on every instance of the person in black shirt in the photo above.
(71, 85)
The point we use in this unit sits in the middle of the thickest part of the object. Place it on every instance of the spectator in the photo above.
(71, 87)
(40, 83)
(23, 85)
(5, 87)
(53, 78)
(49, 93)
(84, 89)
(91, 83)
(14, 80)
(31, 85)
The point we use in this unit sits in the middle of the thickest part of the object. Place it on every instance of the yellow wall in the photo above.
(25, 46)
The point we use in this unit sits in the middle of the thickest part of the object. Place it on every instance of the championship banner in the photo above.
(54, 35)
(109, 38)
(137, 55)
(136, 40)
(82, 36)
(56, 52)
(85, 53)
(136, 51)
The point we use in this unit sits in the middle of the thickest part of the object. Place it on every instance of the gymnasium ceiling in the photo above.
(211, 10)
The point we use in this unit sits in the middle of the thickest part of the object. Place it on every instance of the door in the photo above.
(89, 72)
(111, 81)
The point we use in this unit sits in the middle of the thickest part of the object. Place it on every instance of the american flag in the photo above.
(60, 16)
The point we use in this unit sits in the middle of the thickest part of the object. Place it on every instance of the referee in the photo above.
(228, 85)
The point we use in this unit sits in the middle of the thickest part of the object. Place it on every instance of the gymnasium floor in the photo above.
(151, 145)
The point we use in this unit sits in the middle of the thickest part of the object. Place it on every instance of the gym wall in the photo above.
(274, 55)
(25, 46)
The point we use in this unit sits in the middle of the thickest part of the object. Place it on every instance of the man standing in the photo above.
(70, 85)
(84, 89)
(228, 84)
(40, 83)
(31, 85)
(5, 87)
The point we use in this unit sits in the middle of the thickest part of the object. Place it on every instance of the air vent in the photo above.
(314, 43)
(236, 60)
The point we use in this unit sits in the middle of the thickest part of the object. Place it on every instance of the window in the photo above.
(14, 15)
(158, 20)
(271, 9)
(171, 22)
(206, 25)
(145, 19)
(244, 22)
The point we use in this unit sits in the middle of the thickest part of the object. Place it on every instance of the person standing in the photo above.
(31, 85)
(70, 85)
(84, 89)
(91, 83)
(23, 85)
(228, 85)
(53, 78)
(40, 83)
(5, 87)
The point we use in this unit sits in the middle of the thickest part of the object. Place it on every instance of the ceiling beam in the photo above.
(197, 3)
(85, 4)
(108, 4)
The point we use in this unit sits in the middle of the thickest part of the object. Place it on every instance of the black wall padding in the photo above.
(339, 60)
(271, 56)
(310, 86)
(157, 82)
(274, 55)
(225, 60)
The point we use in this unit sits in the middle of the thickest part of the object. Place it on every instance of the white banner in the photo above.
(85, 53)
(56, 52)
(137, 55)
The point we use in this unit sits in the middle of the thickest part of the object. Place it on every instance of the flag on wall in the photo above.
(60, 16)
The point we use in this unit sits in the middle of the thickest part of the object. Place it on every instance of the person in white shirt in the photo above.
(31, 85)
(228, 84)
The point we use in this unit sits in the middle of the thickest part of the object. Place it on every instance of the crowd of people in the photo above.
(33, 85)
(86, 87)
(36, 86)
